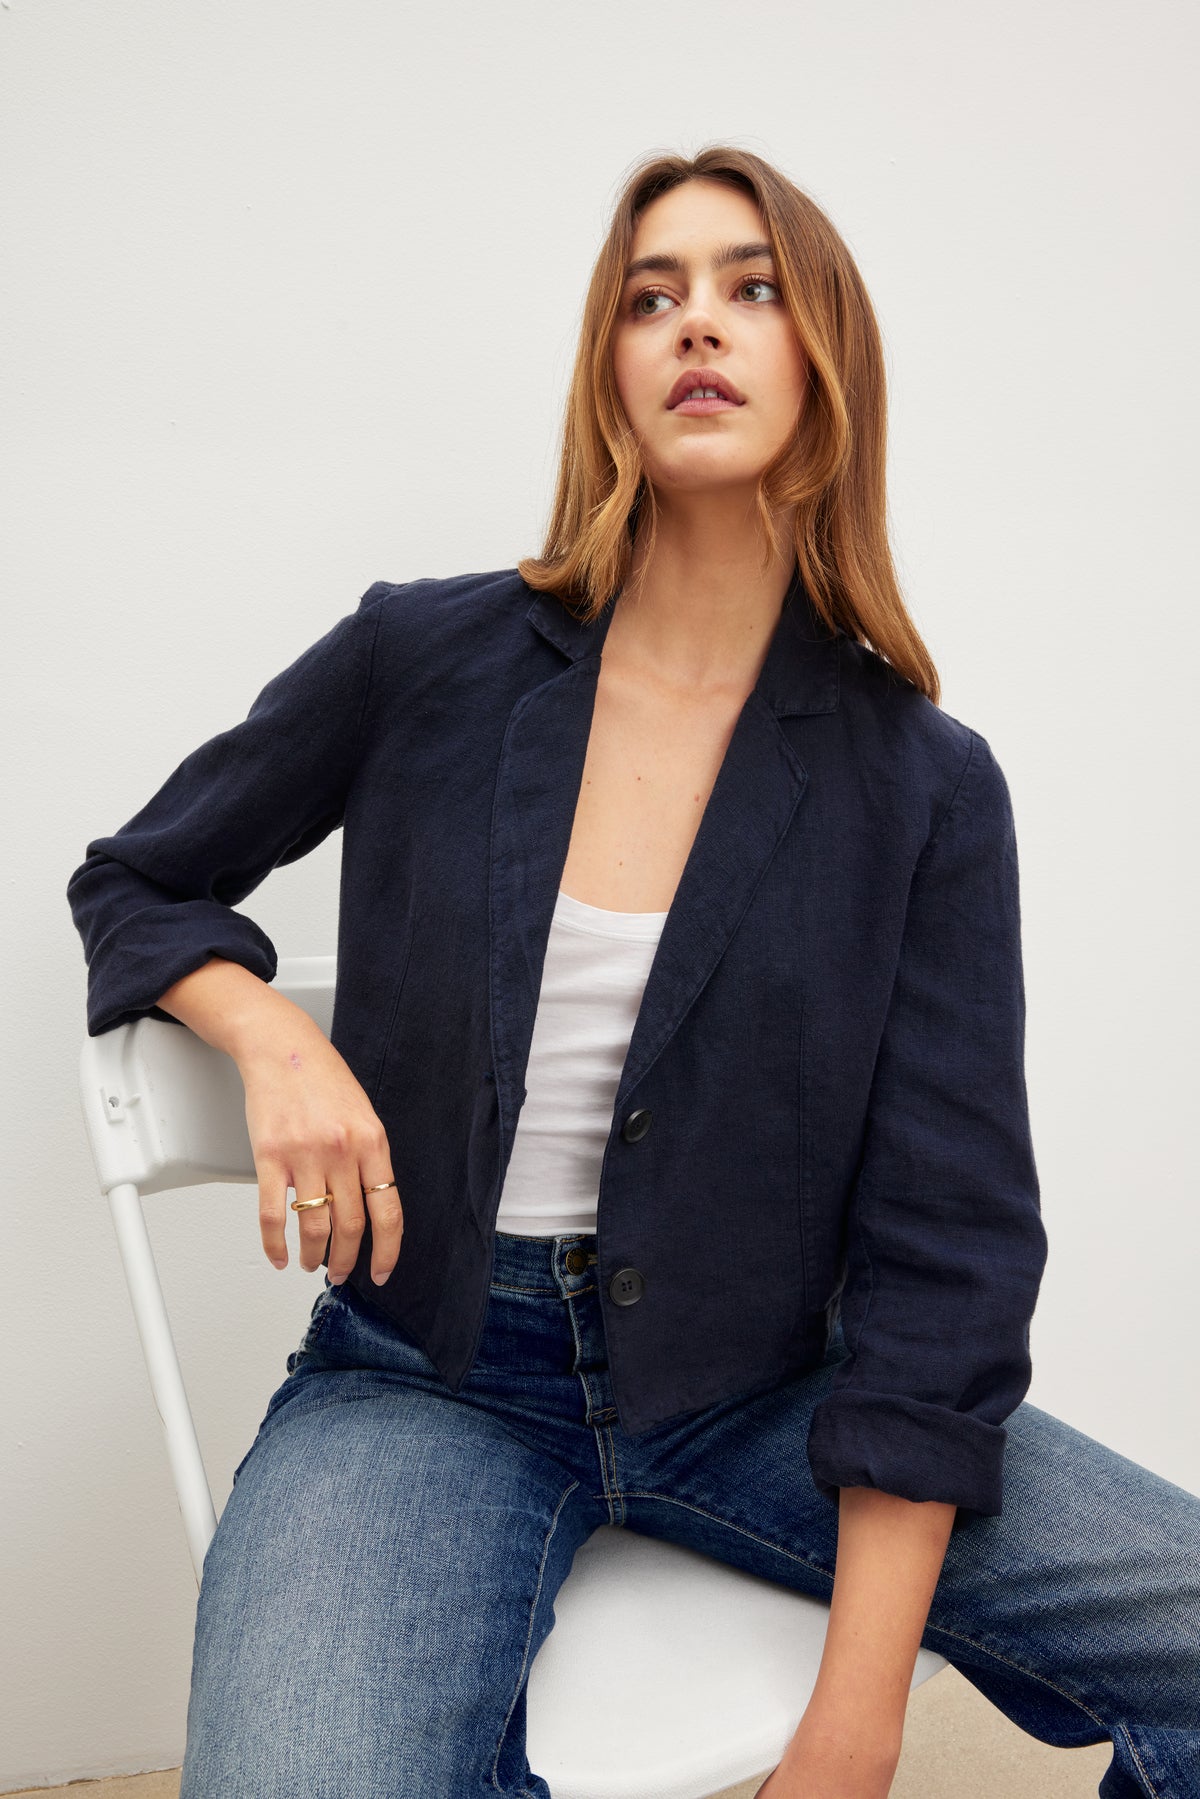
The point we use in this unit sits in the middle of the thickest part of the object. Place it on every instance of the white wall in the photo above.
(292, 294)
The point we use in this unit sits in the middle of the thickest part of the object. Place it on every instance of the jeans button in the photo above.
(626, 1287)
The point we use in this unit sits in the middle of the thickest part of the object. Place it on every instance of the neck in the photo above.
(700, 608)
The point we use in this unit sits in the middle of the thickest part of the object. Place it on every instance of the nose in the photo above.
(695, 324)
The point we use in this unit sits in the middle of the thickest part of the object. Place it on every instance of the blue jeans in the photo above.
(385, 1568)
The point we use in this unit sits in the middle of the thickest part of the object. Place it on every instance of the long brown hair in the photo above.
(833, 471)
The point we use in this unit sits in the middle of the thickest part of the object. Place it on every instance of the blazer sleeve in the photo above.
(945, 1242)
(155, 900)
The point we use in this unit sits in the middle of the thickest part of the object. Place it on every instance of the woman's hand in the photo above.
(313, 1128)
(311, 1125)
(825, 1761)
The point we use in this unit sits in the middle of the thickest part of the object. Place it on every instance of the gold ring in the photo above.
(381, 1188)
(303, 1205)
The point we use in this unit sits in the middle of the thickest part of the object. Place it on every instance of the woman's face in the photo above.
(706, 314)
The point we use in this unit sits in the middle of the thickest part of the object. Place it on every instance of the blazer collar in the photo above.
(800, 672)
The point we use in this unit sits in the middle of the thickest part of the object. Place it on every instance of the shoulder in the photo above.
(454, 649)
(938, 759)
(435, 625)
(432, 601)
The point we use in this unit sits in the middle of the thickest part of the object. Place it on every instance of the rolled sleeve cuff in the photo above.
(152, 949)
(910, 1448)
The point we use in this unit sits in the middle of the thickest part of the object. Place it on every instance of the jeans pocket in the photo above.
(322, 1311)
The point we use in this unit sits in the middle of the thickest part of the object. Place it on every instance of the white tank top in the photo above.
(596, 966)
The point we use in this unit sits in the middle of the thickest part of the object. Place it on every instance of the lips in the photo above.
(703, 378)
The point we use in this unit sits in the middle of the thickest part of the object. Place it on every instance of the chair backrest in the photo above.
(164, 1109)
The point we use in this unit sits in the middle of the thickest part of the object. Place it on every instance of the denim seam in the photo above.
(545, 1292)
(603, 1436)
(1071, 1698)
(606, 1431)
(1133, 1750)
(668, 1499)
(607, 1457)
(602, 1449)
(542, 1292)
(529, 1633)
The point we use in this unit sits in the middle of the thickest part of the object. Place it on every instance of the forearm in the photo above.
(889, 1557)
(235, 1011)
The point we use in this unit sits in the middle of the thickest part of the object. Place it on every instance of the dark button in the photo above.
(626, 1287)
(636, 1125)
(576, 1260)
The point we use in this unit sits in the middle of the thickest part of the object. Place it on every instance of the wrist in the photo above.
(835, 1763)
(840, 1724)
(267, 1031)
(235, 1011)
(872, 1697)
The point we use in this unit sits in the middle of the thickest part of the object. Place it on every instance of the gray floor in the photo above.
(956, 1746)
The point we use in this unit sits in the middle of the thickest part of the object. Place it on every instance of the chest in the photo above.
(649, 769)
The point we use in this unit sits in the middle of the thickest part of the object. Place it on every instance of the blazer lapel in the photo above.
(758, 787)
(537, 787)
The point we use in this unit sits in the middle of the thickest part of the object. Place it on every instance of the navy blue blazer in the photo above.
(823, 1106)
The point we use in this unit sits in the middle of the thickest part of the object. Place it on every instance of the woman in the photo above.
(669, 894)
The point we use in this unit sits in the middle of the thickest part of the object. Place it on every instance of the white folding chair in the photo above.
(700, 1671)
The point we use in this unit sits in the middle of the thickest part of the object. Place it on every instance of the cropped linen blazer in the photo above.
(823, 1106)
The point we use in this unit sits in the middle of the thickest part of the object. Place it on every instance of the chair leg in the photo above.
(166, 1379)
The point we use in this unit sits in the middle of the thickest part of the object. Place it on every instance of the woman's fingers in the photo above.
(272, 1207)
(387, 1213)
(310, 1180)
(349, 1218)
(343, 1164)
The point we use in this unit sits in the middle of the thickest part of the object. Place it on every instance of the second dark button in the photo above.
(626, 1286)
(636, 1125)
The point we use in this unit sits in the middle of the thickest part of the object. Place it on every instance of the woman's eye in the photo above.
(649, 293)
(658, 293)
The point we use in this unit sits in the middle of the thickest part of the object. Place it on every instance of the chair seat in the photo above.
(668, 1675)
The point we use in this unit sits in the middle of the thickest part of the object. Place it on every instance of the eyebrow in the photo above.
(666, 264)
